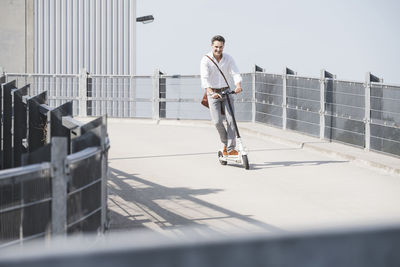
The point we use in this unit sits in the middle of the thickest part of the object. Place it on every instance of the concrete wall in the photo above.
(16, 35)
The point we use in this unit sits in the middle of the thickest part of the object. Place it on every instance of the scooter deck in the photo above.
(235, 159)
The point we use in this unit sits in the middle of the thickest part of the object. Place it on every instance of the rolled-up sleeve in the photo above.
(235, 72)
(204, 73)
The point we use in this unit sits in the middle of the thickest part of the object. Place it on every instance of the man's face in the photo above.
(218, 48)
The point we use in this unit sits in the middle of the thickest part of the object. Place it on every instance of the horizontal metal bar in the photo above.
(125, 99)
(343, 105)
(304, 99)
(273, 84)
(384, 111)
(384, 124)
(118, 76)
(21, 206)
(258, 92)
(382, 138)
(347, 117)
(343, 93)
(84, 187)
(269, 103)
(14, 242)
(385, 98)
(269, 114)
(25, 173)
(83, 154)
(302, 109)
(10, 243)
(303, 88)
(361, 134)
(85, 217)
(289, 119)
(386, 84)
(42, 75)
(180, 76)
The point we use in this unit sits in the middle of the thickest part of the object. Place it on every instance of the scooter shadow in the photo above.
(281, 164)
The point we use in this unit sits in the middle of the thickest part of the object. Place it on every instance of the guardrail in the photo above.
(364, 114)
(364, 247)
(54, 180)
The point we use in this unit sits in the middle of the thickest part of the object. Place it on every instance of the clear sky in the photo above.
(346, 37)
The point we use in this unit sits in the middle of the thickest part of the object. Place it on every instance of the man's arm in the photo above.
(237, 78)
(238, 88)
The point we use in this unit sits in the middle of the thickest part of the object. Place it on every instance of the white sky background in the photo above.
(346, 37)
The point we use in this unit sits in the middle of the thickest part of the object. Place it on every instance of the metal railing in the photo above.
(362, 247)
(364, 114)
(54, 175)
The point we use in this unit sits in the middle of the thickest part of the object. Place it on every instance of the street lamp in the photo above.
(145, 19)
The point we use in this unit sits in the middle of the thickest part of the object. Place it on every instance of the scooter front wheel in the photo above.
(245, 162)
(220, 156)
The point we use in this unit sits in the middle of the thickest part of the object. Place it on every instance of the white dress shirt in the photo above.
(210, 75)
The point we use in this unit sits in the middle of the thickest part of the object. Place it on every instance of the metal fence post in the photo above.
(105, 145)
(367, 119)
(284, 99)
(59, 186)
(322, 111)
(132, 96)
(253, 101)
(322, 82)
(83, 93)
(162, 95)
(156, 95)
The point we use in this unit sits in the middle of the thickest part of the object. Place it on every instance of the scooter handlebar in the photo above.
(228, 93)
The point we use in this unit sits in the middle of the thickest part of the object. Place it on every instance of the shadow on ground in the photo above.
(278, 164)
(136, 203)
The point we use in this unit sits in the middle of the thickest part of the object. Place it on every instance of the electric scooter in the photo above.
(241, 158)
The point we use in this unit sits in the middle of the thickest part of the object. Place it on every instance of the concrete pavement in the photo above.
(166, 176)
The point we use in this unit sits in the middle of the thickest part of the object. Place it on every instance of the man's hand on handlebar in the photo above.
(216, 96)
(238, 90)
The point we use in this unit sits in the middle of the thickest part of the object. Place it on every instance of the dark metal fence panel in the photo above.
(60, 88)
(345, 112)
(2, 80)
(7, 113)
(25, 203)
(385, 118)
(268, 98)
(84, 190)
(244, 100)
(20, 123)
(56, 126)
(303, 104)
(90, 135)
(37, 133)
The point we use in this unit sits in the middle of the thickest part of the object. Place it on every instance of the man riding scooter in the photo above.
(212, 66)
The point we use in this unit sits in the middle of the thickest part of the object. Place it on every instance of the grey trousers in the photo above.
(228, 135)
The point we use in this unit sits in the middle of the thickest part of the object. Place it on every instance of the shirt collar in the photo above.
(216, 61)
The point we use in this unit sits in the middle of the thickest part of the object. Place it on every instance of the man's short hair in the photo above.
(218, 38)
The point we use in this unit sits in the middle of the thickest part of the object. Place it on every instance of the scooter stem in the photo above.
(233, 116)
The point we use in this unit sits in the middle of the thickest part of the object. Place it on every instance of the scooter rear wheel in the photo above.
(220, 155)
(245, 162)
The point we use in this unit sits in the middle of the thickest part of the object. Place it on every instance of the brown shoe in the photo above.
(233, 153)
(225, 152)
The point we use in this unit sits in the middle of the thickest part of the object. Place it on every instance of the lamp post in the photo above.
(145, 19)
(132, 110)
